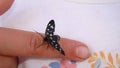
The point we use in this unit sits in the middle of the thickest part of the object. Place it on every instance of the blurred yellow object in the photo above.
(118, 59)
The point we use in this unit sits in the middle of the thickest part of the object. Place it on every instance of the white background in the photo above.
(97, 25)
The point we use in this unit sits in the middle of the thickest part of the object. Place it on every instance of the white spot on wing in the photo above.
(48, 29)
(56, 45)
(51, 27)
(53, 41)
(50, 34)
(48, 24)
(47, 33)
(60, 49)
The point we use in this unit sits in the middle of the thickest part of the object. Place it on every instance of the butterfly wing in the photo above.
(51, 38)
(50, 29)
(56, 45)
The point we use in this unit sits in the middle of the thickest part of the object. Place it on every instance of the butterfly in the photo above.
(51, 38)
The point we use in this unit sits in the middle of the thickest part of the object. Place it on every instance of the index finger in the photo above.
(24, 43)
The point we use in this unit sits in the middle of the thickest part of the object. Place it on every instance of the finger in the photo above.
(8, 62)
(17, 42)
(23, 43)
(5, 5)
(74, 50)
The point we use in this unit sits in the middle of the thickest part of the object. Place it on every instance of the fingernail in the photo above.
(82, 52)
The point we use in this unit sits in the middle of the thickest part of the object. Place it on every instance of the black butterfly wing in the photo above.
(50, 29)
(51, 38)
(56, 45)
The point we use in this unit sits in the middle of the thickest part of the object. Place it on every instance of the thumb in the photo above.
(24, 43)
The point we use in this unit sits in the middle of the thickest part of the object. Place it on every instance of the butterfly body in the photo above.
(51, 38)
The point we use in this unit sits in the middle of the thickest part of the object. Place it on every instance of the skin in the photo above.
(5, 5)
(14, 43)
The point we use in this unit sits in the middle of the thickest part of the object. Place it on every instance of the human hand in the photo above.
(15, 43)
(5, 5)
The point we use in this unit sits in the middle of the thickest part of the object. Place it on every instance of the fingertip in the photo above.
(82, 52)
(75, 50)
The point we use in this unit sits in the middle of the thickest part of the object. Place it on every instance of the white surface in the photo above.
(96, 25)
(95, 1)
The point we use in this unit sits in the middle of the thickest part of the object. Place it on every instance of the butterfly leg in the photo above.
(40, 35)
(48, 46)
